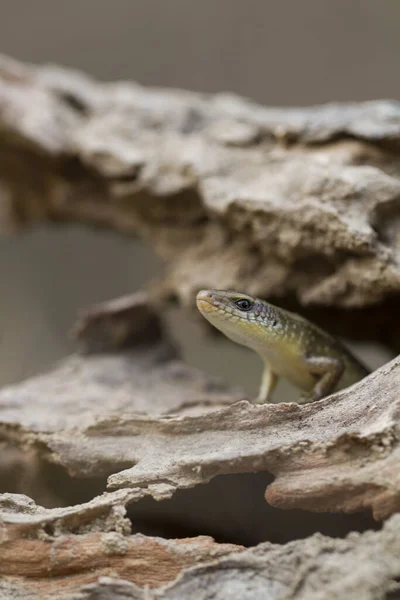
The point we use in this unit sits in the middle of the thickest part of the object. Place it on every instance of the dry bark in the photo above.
(177, 428)
(142, 406)
(41, 559)
(296, 203)
(41, 555)
(316, 569)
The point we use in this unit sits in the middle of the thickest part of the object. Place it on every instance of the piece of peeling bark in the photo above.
(86, 552)
(299, 202)
(295, 202)
(154, 425)
(39, 553)
(363, 566)
(117, 324)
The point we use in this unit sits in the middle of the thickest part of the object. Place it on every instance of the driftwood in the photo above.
(302, 204)
(43, 560)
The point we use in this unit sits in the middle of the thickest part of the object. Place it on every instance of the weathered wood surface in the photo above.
(42, 559)
(299, 203)
(154, 426)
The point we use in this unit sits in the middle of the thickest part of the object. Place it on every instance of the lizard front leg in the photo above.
(268, 383)
(330, 371)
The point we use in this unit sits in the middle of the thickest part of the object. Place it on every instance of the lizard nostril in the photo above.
(204, 301)
(204, 295)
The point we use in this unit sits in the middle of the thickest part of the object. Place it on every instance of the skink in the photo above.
(289, 345)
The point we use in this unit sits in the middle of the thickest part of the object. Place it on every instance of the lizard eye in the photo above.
(244, 304)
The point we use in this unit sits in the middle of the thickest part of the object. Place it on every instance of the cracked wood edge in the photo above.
(153, 425)
(41, 558)
(227, 179)
(360, 566)
(40, 555)
(338, 454)
(158, 425)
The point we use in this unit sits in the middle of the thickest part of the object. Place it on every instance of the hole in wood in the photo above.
(232, 509)
(49, 485)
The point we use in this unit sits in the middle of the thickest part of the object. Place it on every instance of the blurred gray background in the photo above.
(279, 53)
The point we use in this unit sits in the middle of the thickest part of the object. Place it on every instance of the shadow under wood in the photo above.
(231, 508)
(49, 485)
(376, 324)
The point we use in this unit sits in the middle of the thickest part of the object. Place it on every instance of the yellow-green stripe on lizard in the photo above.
(289, 345)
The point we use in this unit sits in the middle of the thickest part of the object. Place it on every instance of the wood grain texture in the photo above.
(297, 203)
(300, 202)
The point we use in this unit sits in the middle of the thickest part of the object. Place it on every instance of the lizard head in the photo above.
(244, 319)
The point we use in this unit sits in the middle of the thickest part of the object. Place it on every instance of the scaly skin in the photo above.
(289, 345)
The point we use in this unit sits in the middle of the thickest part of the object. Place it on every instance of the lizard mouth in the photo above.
(205, 302)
